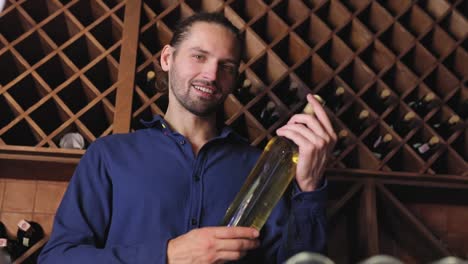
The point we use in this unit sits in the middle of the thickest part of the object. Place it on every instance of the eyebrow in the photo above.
(198, 49)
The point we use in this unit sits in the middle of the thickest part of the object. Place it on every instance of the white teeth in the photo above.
(203, 89)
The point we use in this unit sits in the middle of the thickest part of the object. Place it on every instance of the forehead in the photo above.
(212, 37)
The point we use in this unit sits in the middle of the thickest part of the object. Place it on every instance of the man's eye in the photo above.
(198, 57)
(229, 68)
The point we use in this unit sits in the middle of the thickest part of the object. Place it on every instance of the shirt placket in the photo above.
(196, 184)
(197, 191)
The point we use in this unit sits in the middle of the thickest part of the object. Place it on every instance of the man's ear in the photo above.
(166, 56)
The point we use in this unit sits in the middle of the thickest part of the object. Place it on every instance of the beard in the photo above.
(199, 106)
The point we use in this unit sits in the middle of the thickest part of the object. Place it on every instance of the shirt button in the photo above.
(194, 221)
(182, 142)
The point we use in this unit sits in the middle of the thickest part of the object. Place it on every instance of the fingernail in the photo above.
(256, 233)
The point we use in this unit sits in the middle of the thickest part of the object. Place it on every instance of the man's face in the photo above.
(203, 68)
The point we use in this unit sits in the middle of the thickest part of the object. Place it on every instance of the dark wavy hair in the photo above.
(183, 27)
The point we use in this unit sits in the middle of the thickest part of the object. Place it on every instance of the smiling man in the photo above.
(159, 194)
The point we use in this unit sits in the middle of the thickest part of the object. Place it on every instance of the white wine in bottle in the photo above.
(265, 184)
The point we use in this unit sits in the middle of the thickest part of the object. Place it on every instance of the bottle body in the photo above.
(243, 93)
(290, 98)
(335, 100)
(381, 146)
(382, 101)
(405, 125)
(362, 122)
(447, 128)
(264, 186)
(425, 150)
(423, 105)
(269, 115)
(341, 144)
(28, 234)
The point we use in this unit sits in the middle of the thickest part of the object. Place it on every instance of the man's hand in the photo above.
(212, 245)
(315, 137)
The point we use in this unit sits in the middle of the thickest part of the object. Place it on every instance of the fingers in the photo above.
(317, 125)
(231, 255)
(235, 232)
(237, 244)
(307, 125)
(321, 115)
(298, 134)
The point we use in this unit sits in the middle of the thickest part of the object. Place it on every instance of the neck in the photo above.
(197, 130)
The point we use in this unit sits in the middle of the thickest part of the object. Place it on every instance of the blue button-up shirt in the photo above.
(132, 193)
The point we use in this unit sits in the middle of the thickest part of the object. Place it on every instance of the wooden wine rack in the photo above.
(64, 67)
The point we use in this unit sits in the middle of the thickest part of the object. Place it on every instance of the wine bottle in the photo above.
(243, 93)
(425, 150)
(149, 86)
(290, 97)
(380, 147)
(362, 122)
(3, 231)
(423, 105)
(265, 184)
(405, 125)
(5, 257)
(447, 128)
(382, 101)
(28, 234)
(6, 246)
(269, 115)
(334, 100)
(341, 143)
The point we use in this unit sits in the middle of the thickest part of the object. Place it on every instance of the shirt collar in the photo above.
(158, 122)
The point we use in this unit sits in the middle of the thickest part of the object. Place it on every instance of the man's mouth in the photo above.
(204, 89)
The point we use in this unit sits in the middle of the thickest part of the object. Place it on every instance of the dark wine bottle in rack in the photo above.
(406, 124)
(335, 100)
(361, 122)
(150, 83)
(448, 127)
(8, 246)
(383, 100)
(426, 149)
(423, 105)
(5, 245)
(28, 234)
(243, 92)
(381, 146)
(269, 114)
(290, 97)
(342, 142)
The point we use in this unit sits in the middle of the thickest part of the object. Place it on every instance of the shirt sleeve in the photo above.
(83, 219)
(298, 223)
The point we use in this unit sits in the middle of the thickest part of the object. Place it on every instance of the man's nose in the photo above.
(210, 70)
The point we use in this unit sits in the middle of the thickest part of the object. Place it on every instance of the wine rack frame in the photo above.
(80, 65)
